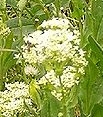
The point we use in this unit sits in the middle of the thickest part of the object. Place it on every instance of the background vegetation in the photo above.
(23, 17)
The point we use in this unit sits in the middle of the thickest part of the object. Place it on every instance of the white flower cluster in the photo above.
(12, 99)
(68, 79)
(56, 23)
(56, 47)
(58, 44)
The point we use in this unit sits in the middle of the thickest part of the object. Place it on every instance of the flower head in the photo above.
(56, 47)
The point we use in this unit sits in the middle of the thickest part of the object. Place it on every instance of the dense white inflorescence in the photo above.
(12, 99)
(55, 46)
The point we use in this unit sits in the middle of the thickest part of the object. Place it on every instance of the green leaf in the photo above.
(2, 4)
(21, 4)
(34, 93)
(86, 88)
(97, 111)
(93, 24)
(35, 8)
(78, 11)
(73, 97)
(27, 26)
(31, 111)
(48, 1)
(12, 3)
(51, 106)
(7, 56)
(38, 1)
(97, 5)
(87, 29)
(13, 23)
(90, 92)
(96, 47)
(65, 2)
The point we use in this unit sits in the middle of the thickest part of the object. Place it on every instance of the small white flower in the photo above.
(30, 70)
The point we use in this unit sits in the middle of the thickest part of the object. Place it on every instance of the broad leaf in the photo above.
(51, 106)
(90, 89)
(86, 94)
(27, 26)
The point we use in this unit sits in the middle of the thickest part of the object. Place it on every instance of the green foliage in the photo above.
(93, 22)
(97, 20)
(21, 4)
(6, 56)
(51, 106)
(90, 89)
(35, 93)
(19, 16)
(13, 3)
(77, 9)
(96, 48)
(2, 4)
(97, 111)
(72, 98)
(91, 86)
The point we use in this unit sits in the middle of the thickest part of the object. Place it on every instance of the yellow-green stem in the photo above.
(21, 38)
(63, 100)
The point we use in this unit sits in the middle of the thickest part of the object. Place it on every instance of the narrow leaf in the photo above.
(95, 47)
(35, 96)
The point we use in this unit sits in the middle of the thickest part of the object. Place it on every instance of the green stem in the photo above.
(20, 25)
(4, 15)
(24, 75)
(1, 75)
(2, 44)
(1, 65)
(81, 33)
(21, 38)
(49, 114)
(63, 100)
(58, 5)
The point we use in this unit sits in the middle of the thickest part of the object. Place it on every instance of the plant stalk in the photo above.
(64, 107)
(21, 38)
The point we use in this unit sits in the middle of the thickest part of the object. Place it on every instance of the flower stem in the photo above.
(64, 108)
(57, 4)
(20, 25)
(21, 38)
